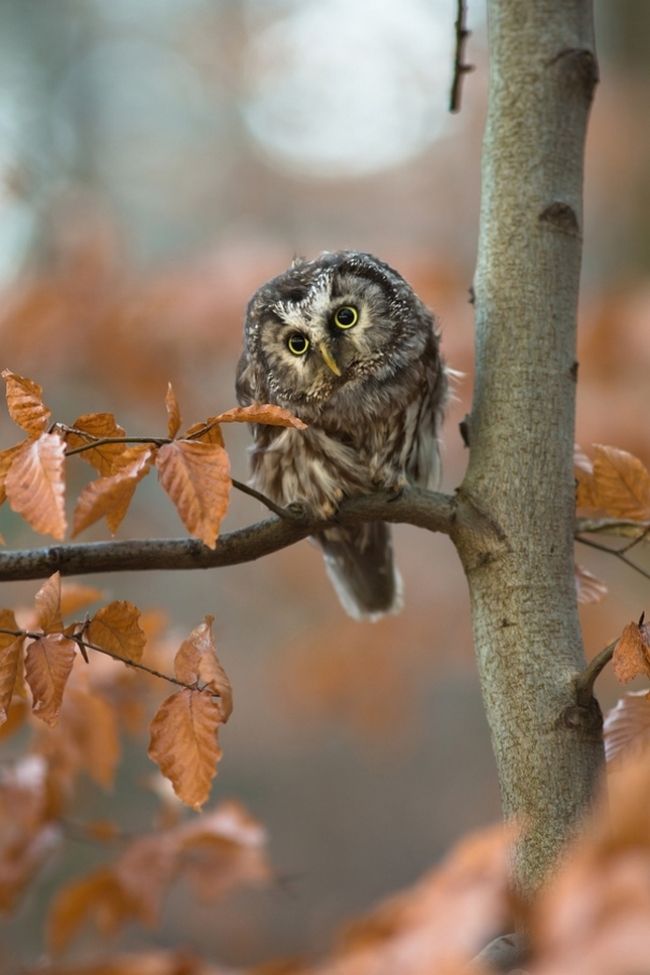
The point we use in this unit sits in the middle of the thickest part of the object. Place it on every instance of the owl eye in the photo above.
(346, 317)
(297, 343)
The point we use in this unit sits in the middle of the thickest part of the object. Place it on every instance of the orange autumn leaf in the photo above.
(618, 486)
(184, 743)
(10, 654)
(627, 725)
(48, 664)
(75, 595)
(173, 412)
(35, 484)
(6, 460)
(98, 897)
(110, 497)
(116, 628)
(25, 403)
(197, 662)
(47, 603)
(632, 654)
(206, 431)
(108, 458)
(196, 476)
(275, 416)
(89, 723)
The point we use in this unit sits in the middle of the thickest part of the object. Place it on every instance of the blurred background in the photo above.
(160, 160)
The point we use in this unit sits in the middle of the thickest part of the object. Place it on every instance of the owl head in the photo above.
(324, 330)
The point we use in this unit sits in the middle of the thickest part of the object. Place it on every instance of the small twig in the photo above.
(617, 553)
(103, 441)
(635, 541)
(271, 505)
(584, 682)
(460, 67)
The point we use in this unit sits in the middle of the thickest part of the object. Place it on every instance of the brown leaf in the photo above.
(196, 476)
(206, 431)
(184, 743)
(631, 657)
(25, 403)
(173, 412)
(90, 724)
(197, 662)
(10, 653)
(48, 664)
(47, 602)
(627, 725)
(620, 485)
(99, 897)
(275, 416)
(107, 459)
(110, 497)
(116, 628)
(35, 484)
(589, 588)
(6, 460)
(76, 596)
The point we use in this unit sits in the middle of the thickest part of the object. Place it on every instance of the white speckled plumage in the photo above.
(373, 395)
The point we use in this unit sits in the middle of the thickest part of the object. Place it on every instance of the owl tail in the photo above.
(359, 562)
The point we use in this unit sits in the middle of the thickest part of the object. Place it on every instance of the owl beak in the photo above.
(329, 359)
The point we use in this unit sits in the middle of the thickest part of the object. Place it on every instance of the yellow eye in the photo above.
(346, 317)
(297, 343)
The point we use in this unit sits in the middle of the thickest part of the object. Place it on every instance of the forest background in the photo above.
(157, 165)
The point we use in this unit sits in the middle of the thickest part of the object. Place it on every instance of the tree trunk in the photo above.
(548, 744)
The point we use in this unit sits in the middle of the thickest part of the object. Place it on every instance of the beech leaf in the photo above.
(99, 896)
(48, 664)
(275, 416)
(173, 412)
(10, 653)
(631, 656)
(619, 485)
(627, 724)
(47, 602)
(184, 743)
(116, 628)
(196, 476)
(75, 595)
(106, 458)
(197, 662)
(6, 460)
(25, 403)
(110, 497)
(35, 484)
(206, 431)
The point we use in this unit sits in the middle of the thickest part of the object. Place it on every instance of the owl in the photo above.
(345, 344)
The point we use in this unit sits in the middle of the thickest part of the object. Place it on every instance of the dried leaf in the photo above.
(48, 664)
(116, 628)
(632, 657)
(110, 497)
(10, 653)
(627, 724)
(76, 596)
(173, 412)
(206, 431)
(47, 602)
(99, 897)
(275, 416)
(197, 662)
(25, 403)
(35, 484)
(589, 588)
(6, 460)
(196, 476)
(619, 486)
(107, 459)
(89, 723)
(184, 743)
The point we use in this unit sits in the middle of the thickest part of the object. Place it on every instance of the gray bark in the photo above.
(546, 738)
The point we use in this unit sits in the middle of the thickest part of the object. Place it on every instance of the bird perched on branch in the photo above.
(345, 344)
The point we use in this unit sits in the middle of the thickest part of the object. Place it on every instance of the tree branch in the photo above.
(584, 682)
(425, 509)
(460, 67)
(617, 553)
